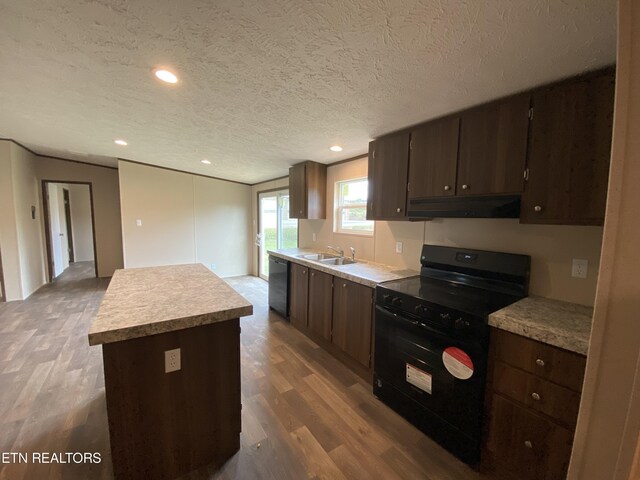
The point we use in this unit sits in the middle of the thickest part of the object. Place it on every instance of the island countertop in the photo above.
(147, 301)
(561, 324)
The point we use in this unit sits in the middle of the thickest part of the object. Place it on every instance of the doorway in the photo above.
(3, 295)
(69, 226)
(275, 228)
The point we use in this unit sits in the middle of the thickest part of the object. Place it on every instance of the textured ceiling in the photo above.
(267, 83)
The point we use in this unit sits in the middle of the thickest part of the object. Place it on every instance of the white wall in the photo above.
(8, 229)
(21, 238)
(551, 247)
(81, 222)
(29, 230)
(185, 219)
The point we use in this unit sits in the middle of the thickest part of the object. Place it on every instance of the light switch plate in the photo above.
(398, 247)
(139, 222)
(172, 360)
(579, 268)
(314, 237)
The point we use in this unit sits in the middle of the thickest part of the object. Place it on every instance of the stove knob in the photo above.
(420, 310)
(444, 316)
(386, 297)
(397, 301)
(459, 324)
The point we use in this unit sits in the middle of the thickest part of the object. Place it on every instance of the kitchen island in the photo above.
(170, 341)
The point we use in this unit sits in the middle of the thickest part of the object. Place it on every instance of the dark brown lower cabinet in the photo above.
(533, 397)
(320, 298)
(336, 314)
(352, 319)
(298, 295)
(529, 445)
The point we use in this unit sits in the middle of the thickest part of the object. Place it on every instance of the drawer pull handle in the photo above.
(344, 285)
(535, 396)
(540, 362)
(528, 444)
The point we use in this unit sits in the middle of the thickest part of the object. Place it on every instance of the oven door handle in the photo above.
(442, 335)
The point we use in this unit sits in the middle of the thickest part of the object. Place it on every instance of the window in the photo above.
(351, 208)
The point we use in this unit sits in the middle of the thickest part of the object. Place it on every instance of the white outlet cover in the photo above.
(314, 237)
(172, 360)
(398, 247)
(579, 268)
(139, 222)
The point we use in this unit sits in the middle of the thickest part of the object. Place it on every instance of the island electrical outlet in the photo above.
(172, 360)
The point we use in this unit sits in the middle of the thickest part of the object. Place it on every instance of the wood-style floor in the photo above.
(304, 414)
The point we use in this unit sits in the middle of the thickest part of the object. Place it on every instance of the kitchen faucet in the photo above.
(338, 250)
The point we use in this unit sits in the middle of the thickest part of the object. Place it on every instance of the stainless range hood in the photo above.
(481, 206)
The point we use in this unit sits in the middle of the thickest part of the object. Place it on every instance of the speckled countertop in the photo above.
(561, 324)
(363, 272)
(146, 301)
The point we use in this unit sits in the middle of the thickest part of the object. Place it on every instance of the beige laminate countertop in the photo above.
(561, 324)
(146, 301)
(366, 273)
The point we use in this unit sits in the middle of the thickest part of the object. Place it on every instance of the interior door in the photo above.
(276, 228)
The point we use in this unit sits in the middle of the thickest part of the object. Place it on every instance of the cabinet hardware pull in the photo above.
(398, 209)
(465, 187)
(304, 272)
(344, 285)
(447, 187)
(528, 444)
(540, 362)
(313, 274)
(535, 396)
(537, 208)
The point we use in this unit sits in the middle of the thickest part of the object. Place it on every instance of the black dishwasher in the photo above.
(279, 286)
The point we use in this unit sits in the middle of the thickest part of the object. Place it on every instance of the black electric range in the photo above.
(432, 337)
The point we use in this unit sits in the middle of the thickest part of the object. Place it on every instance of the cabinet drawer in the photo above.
(528, 445)
(557, 402)
(548, 362)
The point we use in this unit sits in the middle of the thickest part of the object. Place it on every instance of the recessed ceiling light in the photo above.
(166, 76)
(120, 142)
(206, 162)
(336, 148)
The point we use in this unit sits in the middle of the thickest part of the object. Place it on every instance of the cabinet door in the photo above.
(352, 319)
(530, 446)
(433, 159)
(320, 299)
(298, 296)
(388, 170)
(493, 148)
(298, 191)
(569, 153)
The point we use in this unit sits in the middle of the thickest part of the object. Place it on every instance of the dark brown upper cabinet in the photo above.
(308, 191)
(388, 169)
(569, 152)
(493, 147)
(433, 159)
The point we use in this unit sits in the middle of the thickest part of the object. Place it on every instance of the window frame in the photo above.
(338, 209)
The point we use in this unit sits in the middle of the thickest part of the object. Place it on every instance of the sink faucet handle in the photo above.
(338, 250)
(353, 253)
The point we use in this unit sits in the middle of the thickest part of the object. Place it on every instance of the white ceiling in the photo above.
(267, 83)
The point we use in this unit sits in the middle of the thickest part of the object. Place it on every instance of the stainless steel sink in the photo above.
(318, 257)
(337, 261)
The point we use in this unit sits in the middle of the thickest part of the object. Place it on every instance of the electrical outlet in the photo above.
(579, 268)
(398, 247)
(314, 237)
(139, 222)
(172, 360)
(213, 266)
